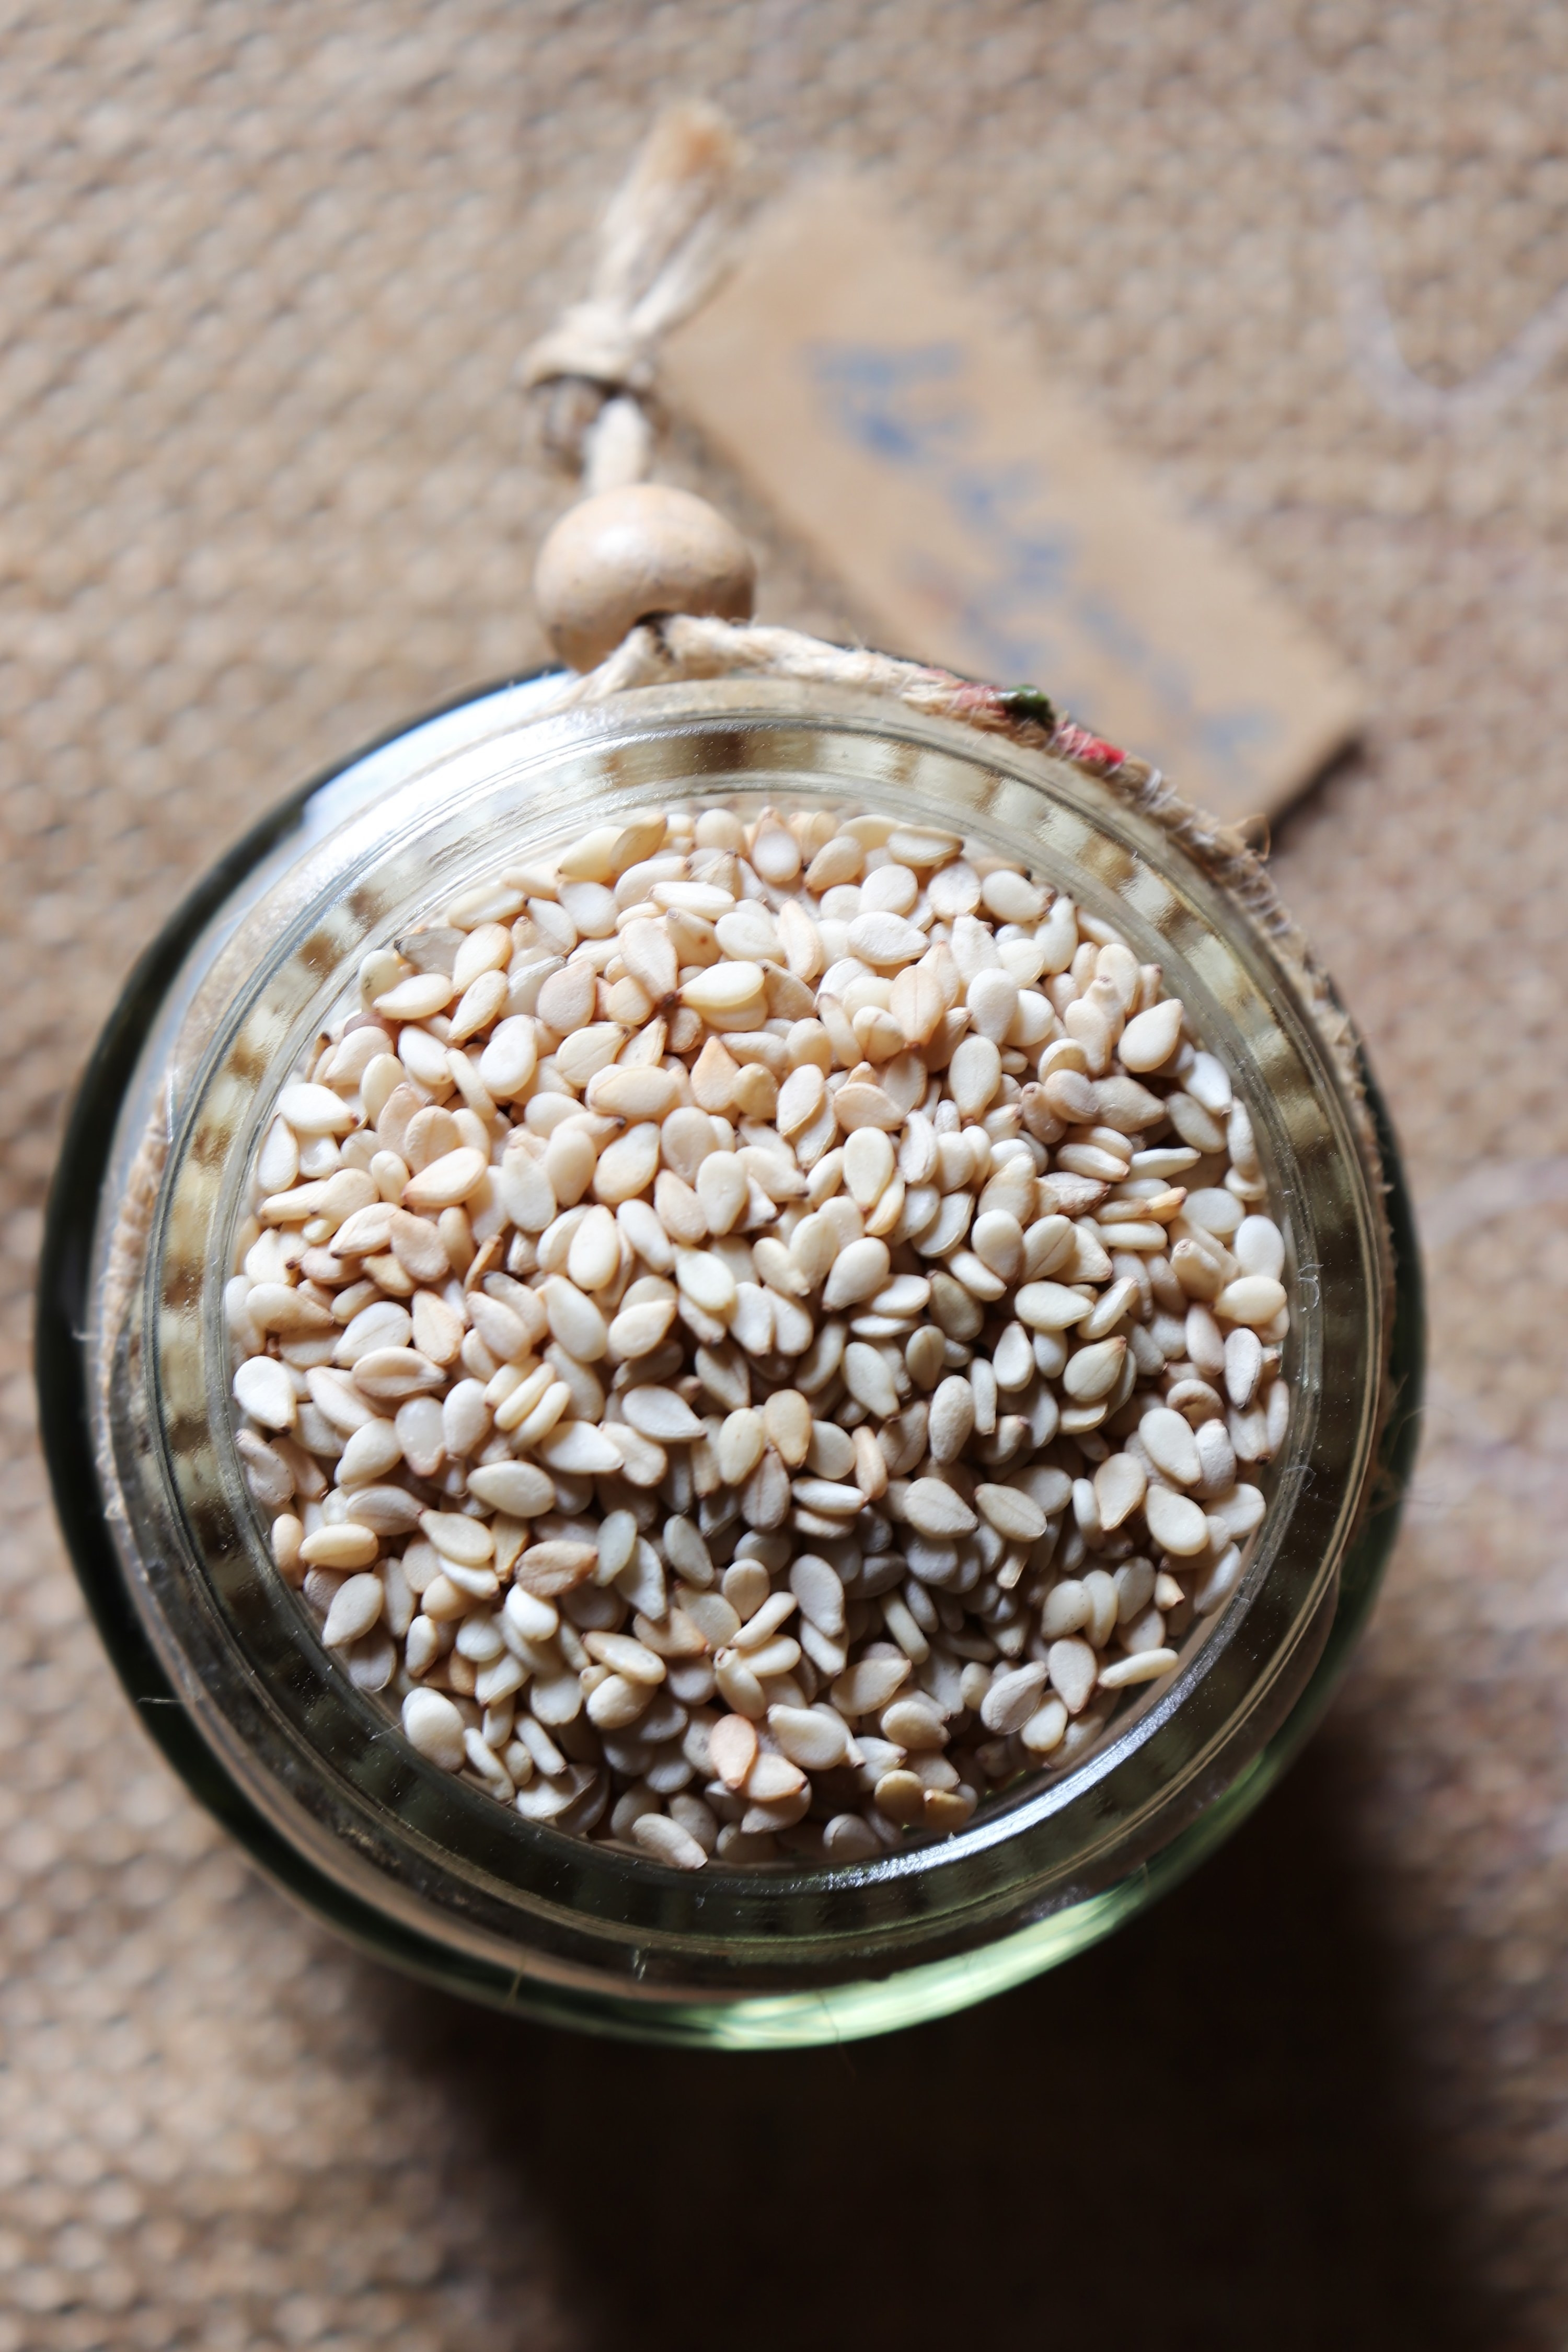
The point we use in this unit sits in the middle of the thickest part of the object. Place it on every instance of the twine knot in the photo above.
(664, 243)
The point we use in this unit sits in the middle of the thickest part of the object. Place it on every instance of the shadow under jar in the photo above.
(314, 1775)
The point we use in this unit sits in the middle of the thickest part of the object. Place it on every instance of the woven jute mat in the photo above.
(265, 491)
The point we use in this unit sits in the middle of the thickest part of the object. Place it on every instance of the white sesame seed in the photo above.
(433, 1725)
(1177, 1523)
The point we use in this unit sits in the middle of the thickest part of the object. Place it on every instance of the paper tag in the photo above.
(981, 515)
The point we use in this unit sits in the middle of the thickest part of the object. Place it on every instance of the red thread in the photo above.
(1076, 743)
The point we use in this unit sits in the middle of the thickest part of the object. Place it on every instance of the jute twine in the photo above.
(664, 243)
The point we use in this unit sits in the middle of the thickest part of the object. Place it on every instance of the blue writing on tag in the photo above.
(904, 407)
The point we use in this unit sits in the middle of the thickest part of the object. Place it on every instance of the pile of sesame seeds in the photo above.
(751, 1332)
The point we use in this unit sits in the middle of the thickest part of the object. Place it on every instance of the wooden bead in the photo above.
(622, 557)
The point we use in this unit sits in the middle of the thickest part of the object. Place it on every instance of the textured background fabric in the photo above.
(265, 490)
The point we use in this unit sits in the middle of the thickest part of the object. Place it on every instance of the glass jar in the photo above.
(218, 1653)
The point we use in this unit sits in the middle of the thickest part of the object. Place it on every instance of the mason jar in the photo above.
(219, 1657)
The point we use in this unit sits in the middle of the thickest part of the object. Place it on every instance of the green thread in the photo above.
(1029, 702)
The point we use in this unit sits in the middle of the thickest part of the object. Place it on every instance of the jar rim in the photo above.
(724, 1920)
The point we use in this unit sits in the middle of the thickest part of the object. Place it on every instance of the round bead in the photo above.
(622, 557)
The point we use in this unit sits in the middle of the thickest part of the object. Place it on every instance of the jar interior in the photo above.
(269, 1687)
